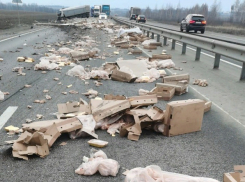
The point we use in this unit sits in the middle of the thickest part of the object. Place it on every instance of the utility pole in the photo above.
(17, 2)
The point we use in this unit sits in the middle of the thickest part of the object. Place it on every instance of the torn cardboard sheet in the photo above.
(88, 123)
(183, 117)
(180, 88)
(236, 176)
(98, 162)
(177, 78)
(143, 100)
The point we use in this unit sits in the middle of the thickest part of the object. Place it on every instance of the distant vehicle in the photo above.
(106, 9)
(103, 16)
(194, 22)
(141, 18)
(72, 12)
(97, 10)
(92, 12)
(134, 11)
(133, 17)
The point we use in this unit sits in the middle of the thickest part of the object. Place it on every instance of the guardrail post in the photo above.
(173, 44)
(217, 61)
(184, 48)
(243, 72)
(158, 38)
(152, 35)
(198, 54)
(165, 40)
(148, 34)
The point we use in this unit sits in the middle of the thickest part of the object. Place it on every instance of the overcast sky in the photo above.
(225, 4)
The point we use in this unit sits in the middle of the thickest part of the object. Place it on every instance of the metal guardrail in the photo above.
(220, 48)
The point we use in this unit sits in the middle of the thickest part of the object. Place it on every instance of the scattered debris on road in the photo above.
(200, 82)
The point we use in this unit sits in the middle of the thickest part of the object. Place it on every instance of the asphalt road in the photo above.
(222, 36)
(208, 153)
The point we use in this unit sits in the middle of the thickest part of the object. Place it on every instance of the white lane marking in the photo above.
(144, 52)
(6, 115)
(222, 60)
(213, 103)
(22, 35)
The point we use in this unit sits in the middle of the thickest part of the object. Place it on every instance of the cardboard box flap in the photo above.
(156, 113)
(68, 107)
(109, 67)
(174, 78)
(109, 107)
(143, 100)
(17, 155)
(89, 124)
(242, 174)
(52, 134)
(122, 76)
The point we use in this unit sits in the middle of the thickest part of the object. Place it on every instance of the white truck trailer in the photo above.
(97, 10)
(134, 10)
(72, 12)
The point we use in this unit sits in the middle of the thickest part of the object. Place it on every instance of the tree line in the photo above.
(26, 7)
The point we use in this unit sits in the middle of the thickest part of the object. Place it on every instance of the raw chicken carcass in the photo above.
(99, 162)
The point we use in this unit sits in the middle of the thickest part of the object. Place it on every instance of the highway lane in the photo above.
(209, 153)
(223, 36)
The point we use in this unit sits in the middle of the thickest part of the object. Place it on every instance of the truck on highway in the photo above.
(72, 12)
(134, 12)
(97, 10)
(92, 12)
(106, 9)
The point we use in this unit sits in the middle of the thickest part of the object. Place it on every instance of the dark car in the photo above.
(141, 18)
(133, 17)
(194, 22)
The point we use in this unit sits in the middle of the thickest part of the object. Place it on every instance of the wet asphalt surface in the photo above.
(208, 153)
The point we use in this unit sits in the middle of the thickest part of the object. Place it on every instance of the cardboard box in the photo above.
(180, 88)
(155, 44)
(143, 100)
(150, 47)
(163, 92)
(208, 106)
(235, 176)
(135, 51)
(124, 46)
(118, 44)
(183, 117)
(176, 78)
(79, 55)
(161, 56)
(122, 76)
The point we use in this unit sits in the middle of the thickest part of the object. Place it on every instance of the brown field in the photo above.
(9, 19)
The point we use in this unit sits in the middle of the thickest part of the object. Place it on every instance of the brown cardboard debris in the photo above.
(109, 67)
(28, 120)
(207, 106)
(79, 55)
(97, 143)
(40, 101)
(176, 78)
(73, 92)
(164, 92)
(104, 108)
(180, 88)
(143, 100)
(135, 51)
(114, 97)
(72, 107)
(155, 44)
(150, 47)
(183, 117)
(235, 176)
(162, 57)
(56, 79)
(122, 76)
(200, 82)
(118, 44)
(20, 59)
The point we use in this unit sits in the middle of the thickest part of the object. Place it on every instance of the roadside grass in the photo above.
(9, 19)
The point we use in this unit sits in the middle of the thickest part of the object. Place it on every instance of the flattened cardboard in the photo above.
(208, 106)
(137, 66)
(72, 107)
(107, 108)
(122, 76)
(156, 114)
(235, 176)
(143, 100)
(52, 134)
(183, 117)
(176, 78)
(114, 97)
(163, 92)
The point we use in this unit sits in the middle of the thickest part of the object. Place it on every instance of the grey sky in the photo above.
(225, 4)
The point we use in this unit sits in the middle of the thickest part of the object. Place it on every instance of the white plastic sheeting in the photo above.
(143, 92)
(133, 30)
(99, 73)
(155, 174)
(46, 65)
(152, 73)
(98, 161)
(168, 63)
(127, 70)
(79, 71)
(147, 42)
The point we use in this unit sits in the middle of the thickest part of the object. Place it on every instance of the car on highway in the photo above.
(103, 16)
(133, 17)
(141, 18)
(194, 22)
